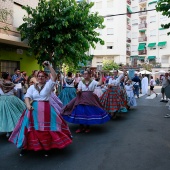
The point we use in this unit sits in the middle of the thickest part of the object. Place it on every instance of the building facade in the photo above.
(14, 52)
(132, 39)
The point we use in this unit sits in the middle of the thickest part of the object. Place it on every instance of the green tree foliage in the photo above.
(109, 65)
(147, 67)
(163, 6)
(61, 31)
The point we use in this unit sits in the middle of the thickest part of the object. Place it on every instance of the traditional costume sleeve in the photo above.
(110, 81)
(50, 84)
(80, 85)
(29, 93)
(119, 78)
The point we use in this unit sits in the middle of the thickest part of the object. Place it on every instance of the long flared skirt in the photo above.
(85, 109)
(11, 109)
(41, 129)
(67, 94)
(113, 100)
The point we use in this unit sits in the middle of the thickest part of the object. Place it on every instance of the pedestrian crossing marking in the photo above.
(140, 95)
(152, 96)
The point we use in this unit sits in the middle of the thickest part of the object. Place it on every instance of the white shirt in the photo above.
(129, 90)
(69, 85)
(91, 86)
(152, 82)
(9, 93)
(115, 82)
(44, 94)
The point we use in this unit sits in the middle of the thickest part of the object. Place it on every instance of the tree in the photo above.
(109, 65)
(61, 31)
(147, 67)
(164, 7)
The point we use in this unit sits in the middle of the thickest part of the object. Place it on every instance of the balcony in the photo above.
(128, 40)
(142, 1)
(142, 13)
(127, 52)
(142, 52)
(141, 39)
(129, 2)
(142, 25)
(128, 27)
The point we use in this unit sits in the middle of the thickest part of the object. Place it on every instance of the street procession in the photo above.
(84, 84)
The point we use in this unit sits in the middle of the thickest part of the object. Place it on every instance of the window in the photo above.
(109, 45)
(163, 18)
(134, 48)
(152, 19)
(109, 19)
(162, 32)
(110, 31)
(99, 67)
(153, 32)
(134, 35)
(135, 22)
(135, 9)
(99, 5)
(109, 3)
(8, 66)
(165, 59)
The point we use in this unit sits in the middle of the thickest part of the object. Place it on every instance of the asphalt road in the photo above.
(138, 140)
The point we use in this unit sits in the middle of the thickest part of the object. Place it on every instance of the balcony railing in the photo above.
(129, 2)
(128, 27)
(128, 40)
(128, 53)
(142, 52)
(129, 15)
(142, 13)
(140, 1)
(141, 39)
(142, 25)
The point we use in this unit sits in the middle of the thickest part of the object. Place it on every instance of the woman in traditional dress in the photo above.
(86, 108)
(11, 107)
(130, 94)
(41, 127)
(113, 100)
(69, 92)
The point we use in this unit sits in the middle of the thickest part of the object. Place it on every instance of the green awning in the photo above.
(141, 47)
(141, 58)
(132, 56)
(151, 57)
(151, 45)
(142, 30)
(162, 28)
(129, 10)
(152, 2)
(160, 44)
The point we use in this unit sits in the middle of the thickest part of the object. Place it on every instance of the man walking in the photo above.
(18, 79)
(136, 82)
(145, 85)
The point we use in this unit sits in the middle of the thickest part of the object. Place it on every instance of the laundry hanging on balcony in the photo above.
(141, 46)
(151, 45)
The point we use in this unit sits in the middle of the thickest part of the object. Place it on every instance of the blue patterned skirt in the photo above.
(67, 94)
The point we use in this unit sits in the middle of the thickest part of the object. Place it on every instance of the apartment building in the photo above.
(13, 52)
(132, 39)
(149, 41)
(116, 34)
